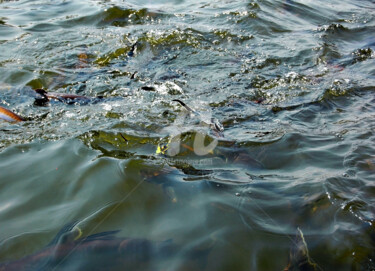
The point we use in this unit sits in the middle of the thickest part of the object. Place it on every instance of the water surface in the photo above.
(292, 83)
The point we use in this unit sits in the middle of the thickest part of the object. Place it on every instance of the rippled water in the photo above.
(292, 83)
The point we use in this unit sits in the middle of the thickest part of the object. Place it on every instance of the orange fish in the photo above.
(8, 115)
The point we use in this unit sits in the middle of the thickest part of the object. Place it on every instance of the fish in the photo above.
(9, 116)
(100, 251)
(299, 258)
(44, 97)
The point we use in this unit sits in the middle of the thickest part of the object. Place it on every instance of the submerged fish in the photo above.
(101, 251)
(299, 258)
(8, 115)
(44, 97)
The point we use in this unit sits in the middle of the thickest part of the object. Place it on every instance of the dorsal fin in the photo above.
(66, 234)
(186, 106)
(299, 258)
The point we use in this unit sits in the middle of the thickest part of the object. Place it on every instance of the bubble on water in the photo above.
(107, 107)
(70, 114)
(292, 75)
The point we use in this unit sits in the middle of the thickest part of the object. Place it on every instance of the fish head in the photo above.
(41, 98)
(41, 92)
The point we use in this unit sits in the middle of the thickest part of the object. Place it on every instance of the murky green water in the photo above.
(292, 82)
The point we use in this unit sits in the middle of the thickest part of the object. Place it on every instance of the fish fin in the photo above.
(133, 49)
(133, 75)
(302, 245)
(299, 257)
(123, 137)
(66, 231)
(179, 101)
(186, 106)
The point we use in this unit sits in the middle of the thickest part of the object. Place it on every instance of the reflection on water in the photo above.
(287, 185)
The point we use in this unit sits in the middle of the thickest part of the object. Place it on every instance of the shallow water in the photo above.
(292, 82)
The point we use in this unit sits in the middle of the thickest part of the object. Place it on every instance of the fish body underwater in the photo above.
(101, 251)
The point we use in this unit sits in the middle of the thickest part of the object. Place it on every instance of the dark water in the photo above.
(292, 82)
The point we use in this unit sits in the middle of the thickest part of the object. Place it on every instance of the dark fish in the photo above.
(133, 49)
(299, 258)
(148, 88)
(101, 251)
(8, 115)
(133, 75)
(186, 106)
(44, 97)
(259, 100)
